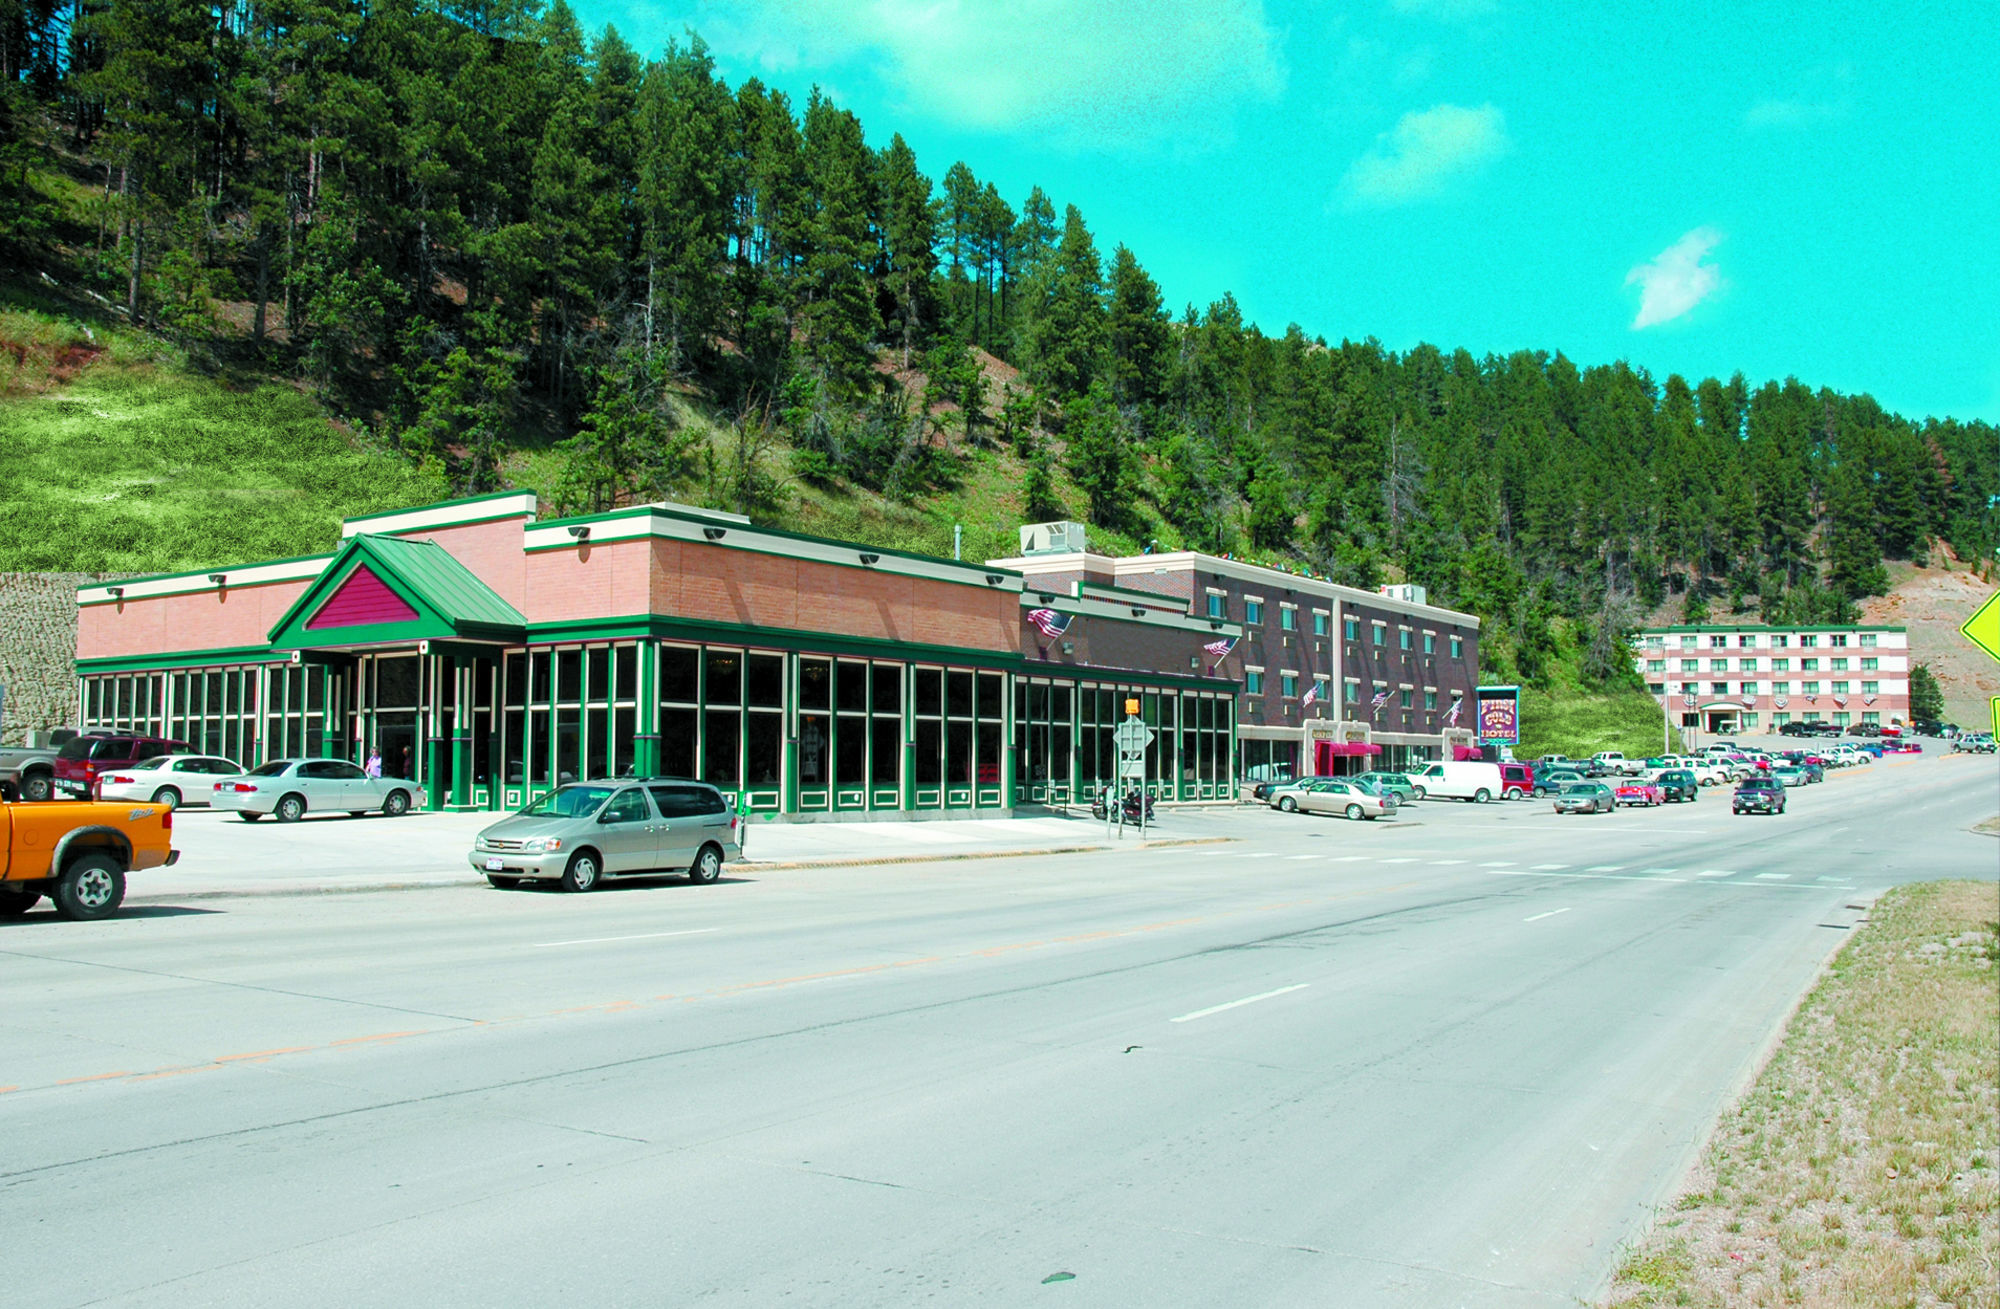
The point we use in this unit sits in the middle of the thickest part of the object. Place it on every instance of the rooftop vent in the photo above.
(1404, 593)
(1052, 539)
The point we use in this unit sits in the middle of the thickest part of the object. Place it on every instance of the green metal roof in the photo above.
(448, 584)
(448, 599)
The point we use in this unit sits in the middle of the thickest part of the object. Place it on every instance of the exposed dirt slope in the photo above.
(1933, 603)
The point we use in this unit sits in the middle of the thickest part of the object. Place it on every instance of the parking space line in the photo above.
(1350, 859)
(1549, 868)
(1399, 861)
(600, 940)
(1301, 856)
(1536, 918)
(1658, 872)
(1499, 863)
(1606, 868)
(1773, 877)
(1238, 1004)
(1445, 863)
(1716, 872)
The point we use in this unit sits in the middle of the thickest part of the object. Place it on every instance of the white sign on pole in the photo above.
(1132, 736)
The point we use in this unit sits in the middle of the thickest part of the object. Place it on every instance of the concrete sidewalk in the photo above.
(222, 855)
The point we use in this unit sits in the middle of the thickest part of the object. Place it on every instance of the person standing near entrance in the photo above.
(374, 765)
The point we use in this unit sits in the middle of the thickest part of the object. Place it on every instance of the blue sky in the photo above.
(1703, 188)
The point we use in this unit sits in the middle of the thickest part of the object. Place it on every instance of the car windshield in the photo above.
(569, 802)
(1581, 788)
(276, 768)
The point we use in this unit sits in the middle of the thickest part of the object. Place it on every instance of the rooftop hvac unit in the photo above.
(1405, 593)
(1052, 538)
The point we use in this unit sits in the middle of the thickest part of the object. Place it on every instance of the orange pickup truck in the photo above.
(77, 853)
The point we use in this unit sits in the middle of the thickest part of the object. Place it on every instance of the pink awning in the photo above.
(1338, 748)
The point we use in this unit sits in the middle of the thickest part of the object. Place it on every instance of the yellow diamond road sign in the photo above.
(1983, 628)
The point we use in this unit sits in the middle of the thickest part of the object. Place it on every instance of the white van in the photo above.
(1464, 780)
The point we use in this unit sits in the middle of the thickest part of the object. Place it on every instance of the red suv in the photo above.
(1517, 781)
(80, 762)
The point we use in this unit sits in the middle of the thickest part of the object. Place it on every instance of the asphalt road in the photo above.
(1450, 1060)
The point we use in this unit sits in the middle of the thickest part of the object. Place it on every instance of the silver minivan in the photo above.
(583, 832)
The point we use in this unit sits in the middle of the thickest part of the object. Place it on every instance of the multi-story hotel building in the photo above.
(1332, 678)
(1721, 679)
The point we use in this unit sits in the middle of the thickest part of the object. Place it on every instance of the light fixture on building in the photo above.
(1138, 611)
(715, 533)
(581, 532)
(1046, 598)
(1069, 647)
(218, 578)
(994, 579)
(1215, 624)
(1194, 661)
(870, 560)
(115, 592)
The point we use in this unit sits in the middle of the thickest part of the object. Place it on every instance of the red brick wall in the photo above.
(584, 581)
(204, 620)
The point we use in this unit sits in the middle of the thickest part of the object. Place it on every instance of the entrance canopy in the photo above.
(1344, 748)
(384, 590)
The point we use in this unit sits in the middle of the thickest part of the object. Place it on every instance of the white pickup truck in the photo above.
(1616, 762)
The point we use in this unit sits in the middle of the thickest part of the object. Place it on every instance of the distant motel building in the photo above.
(1331, 679)
(1721, 679)
(489, 654)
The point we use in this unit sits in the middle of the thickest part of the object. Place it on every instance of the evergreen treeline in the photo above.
(463, 221)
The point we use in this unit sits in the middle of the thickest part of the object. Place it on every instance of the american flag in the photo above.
(1312, 694)
(1222, 647)
(1381, 698)
(1451, 718)
(1048, 622)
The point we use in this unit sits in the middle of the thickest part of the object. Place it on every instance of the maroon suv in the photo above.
(79, 763)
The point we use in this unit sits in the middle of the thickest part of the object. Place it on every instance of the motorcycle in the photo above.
(1132, 804)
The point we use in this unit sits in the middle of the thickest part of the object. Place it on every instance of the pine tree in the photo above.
(1070, 331)
(684, 202)
(836, 313)
(1137, 334)
(1098, 459)
(1926, 696)
(910, 238)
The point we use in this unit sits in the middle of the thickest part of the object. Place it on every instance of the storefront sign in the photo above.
(1499, 715)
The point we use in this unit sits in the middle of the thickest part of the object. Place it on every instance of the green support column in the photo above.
(461, 733)
(909, 734)
(788, 802)
(646, 748)
(1010, 753)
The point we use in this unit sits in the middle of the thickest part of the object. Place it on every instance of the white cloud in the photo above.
(1425, 153)
(1137, 72)
(1676, 280)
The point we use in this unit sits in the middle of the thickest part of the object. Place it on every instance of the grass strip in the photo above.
(1860, 1169)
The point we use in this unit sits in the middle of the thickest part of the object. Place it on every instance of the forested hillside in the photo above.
(474, 231)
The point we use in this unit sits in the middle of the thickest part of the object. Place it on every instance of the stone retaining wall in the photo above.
(38, 650)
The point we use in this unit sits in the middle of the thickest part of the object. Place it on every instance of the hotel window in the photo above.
(1840, 718)
(1868, 640)
(1870, 664)
(1253, 681)
(1403, 637)
(1781, 665)
(1838, 639)
(1718, 665)
(1812, 688)
(1808, 665)
(1840, 688)
(1779, 642)
(1656, 665)
(1381, 634)
(1749, 689)
(1288, 684)
(1718, 642)
(1405, 702)
(1749, 719)
(1746, 641)
(1656, 642)
(1808, 642)
(1351, 628)
(1718, 688)
(1430, 642)
(1657, 688)
(1870, 716)
(1253, 611)
(1688, 642)
(1870, 688)
(1288, 617)
(1430, 697)
(1837, 665)
(1321, 621)
(1215, 602)
(1690, 665)
(1353, 692)
(1457, 648)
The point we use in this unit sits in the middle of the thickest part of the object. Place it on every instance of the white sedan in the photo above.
(169, 779)
(1328, 796)
(292, 788)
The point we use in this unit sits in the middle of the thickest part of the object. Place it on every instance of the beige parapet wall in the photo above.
(38, 650)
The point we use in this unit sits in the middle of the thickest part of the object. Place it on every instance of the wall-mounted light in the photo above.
(1069, 647)
(581, 532)
(115, 592)
(218, 578)
(870, 560)
(1215, 624)
(994, 579)
(714, 533)
(1194, 661)
(1138, 612)
(1046, 598)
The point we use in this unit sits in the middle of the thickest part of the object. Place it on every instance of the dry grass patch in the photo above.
(1860, 1170)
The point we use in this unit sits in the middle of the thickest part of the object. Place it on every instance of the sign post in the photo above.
(1132, 737)
(1983, 630)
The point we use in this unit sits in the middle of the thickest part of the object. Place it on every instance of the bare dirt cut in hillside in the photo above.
(1934, 603)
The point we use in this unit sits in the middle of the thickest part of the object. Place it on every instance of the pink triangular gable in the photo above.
(360, 601)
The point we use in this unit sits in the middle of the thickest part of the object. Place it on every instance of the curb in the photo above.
(747, 865)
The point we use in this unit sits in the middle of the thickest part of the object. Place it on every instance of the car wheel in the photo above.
(582, 872)
(1417, 793)
(1286, 804)
(39, 786)
(167, 796)
(499, 883)
(92, 886)
(15, 903)
(1481, 796)
(1353, 812)
(290, 809)
(396, 804)
(1513, 793)
(707, 865)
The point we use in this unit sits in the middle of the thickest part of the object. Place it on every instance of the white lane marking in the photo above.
(1350, 859)
(1536, 918)
(1399, 861)
(1606, 868)
(643, 936)
(1597, 877)
(1549, 868)
(1660, 872)
(1773, 877)
(1301, 856)
(1499, 863)
(1237, 1004)
(1263, 854)
(1445, 863)
(1716, 872)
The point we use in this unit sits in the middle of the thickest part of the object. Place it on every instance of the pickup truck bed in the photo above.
(77, 852)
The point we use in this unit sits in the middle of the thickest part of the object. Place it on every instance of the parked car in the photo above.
(28, 772)
(1466, 779)
(80, 762)
(1585, 798)
(1292, 798)
(1549, 781)
(1800, 728)
(1974, 743)
(1789, 775)
(1615, 762)
(1758, 795)
(289, 789)
(78, 854)
(1339, 795)
(1677, 784)
(1931, 727)
(1517, 780)
(1902, 747)
(168, 779)
(581, 833)
(1639, 790)
(1865, 729)
(1396, 784)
